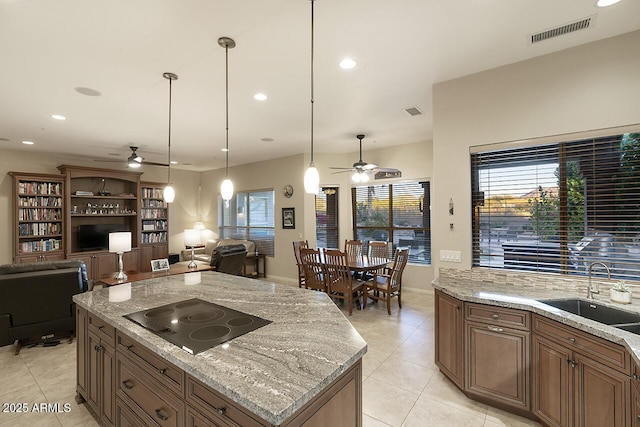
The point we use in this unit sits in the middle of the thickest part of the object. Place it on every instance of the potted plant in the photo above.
(621, 293)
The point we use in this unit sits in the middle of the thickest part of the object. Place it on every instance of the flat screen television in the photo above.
(94, 237)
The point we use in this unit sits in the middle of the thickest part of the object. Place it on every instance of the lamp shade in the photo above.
(226, 189)
(169, 194)
(311, 179)
(199, 225)
(192, 237)
(120, 242)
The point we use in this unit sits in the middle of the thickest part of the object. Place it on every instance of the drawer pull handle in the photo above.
(127, 384)
(97, 348)
(161, 415)
(162, 371)
(129, 347)
(571, 362)
(636, 377)
(495, 329)
(100, 327)
(495, 316)
(222, 410)
(571, 340)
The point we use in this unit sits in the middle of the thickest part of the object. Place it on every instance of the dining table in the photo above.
(364, 263)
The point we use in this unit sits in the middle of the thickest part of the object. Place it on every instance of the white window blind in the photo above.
(559, 207)
(327, 231)
(249, 216)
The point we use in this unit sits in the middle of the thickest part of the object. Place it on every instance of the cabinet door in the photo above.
(105, 263)
(81, 350)
(551, 382)
(131, 260)
(449, 337)
(600, 394)
(635, 401)
(94, 372)
(150, 252)
(497, 364)
(108, 364)
(88, 262)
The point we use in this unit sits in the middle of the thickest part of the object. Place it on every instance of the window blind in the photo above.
(559, 207)
(327, 231)
(249, 216)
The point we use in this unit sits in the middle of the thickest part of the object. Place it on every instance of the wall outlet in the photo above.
(450, 256)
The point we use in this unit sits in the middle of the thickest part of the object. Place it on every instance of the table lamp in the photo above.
(119, 243)
(191, 240)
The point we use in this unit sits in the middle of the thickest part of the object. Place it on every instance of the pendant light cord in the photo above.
(226, 77)
(312, 44)
(169, 159)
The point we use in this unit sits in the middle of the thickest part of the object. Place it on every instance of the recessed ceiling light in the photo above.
(260, 97)
(173, 162)
(28, 142)
(266, 139)
(605, 3)
(58, 117)
(224, 149)
(87, 91)
(347, 64)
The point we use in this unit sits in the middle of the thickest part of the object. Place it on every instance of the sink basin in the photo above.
(595, 312)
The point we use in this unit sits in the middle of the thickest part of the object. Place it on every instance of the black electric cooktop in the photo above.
(196, 325)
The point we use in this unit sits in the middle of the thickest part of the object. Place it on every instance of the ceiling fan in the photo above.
(134, 160)
(361, 169)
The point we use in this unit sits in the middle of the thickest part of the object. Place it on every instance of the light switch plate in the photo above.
(450, 256)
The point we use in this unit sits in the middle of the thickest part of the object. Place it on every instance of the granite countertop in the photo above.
(272, 371)
(529, 298)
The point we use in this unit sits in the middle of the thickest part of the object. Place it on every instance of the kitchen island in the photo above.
(302, 368)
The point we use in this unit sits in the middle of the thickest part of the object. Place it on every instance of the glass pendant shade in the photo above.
(311, 179)
(226, 189)
(364, 177)
(355, 177)
(169, 194)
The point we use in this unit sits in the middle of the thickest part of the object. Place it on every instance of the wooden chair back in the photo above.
(354, 248)
(399, 263)
(296, 252)
(313, 269)
(378, 249)
(337, 270)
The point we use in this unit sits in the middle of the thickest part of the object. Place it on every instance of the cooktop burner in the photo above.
(196, 325)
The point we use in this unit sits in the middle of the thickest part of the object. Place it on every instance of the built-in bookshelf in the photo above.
(38, 217)
(154, 224)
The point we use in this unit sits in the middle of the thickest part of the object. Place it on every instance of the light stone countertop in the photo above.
(272, 371)
(528, 298)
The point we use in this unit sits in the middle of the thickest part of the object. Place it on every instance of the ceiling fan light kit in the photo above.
(226, 189)
(311, 176)
(169, 193)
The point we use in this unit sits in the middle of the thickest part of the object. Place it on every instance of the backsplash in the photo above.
(524, 279)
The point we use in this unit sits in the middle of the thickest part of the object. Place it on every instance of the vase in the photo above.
(621, 297)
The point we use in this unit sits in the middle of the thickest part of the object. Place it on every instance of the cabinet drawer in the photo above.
(215, 406)
(125, 417)
(137, 389)
(101, 328)
(196, 419)
(169, 375)
(498, 316)
(603, 351)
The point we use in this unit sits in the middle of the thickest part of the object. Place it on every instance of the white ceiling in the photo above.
(122, 47)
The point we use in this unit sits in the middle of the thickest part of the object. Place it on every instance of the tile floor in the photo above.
(401, 384)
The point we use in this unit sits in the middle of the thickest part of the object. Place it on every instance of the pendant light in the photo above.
(226, 189)
(169, 193)
(311, 176)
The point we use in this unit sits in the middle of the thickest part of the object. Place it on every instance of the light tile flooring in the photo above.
(401, 384)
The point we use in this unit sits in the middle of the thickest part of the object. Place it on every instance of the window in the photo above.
(398, 213)
(559, 207)
(327, 233)
(249, 216)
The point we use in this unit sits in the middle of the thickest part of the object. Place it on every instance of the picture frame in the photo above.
(288, 218)
(161, 264)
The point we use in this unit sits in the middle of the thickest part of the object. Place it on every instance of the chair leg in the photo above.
(365, 297)
(389, 304)
(399, 300)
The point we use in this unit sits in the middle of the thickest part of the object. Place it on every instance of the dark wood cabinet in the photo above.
(150, 252)
(449, 337)
(497, 364)
(81, 350)
(100, 369)
(101, 264)
(579, 379)
(635, 397)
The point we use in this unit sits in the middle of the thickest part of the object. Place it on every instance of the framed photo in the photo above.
(288, 217)
(161, 264)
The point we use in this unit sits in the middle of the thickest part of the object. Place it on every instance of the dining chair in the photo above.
(340, 282)
(313, 269)
(376, 249)
(385, 286)
(296, 252)
(354, 248)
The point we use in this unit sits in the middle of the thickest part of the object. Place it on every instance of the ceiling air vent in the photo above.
(414, 111)
(582, 24)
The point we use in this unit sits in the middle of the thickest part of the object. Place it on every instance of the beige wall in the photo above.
(588, 87)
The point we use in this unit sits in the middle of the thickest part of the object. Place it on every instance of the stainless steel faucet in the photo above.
(590, 290)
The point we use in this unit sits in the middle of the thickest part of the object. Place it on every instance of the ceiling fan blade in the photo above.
(369, 166)
(109, 160)
(333, 173)
(332, 167)
(144, 162)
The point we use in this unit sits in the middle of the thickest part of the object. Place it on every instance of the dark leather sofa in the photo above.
(229, 259)
(36, 300)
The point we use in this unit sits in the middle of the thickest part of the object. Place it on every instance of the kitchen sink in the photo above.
(598, 313)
